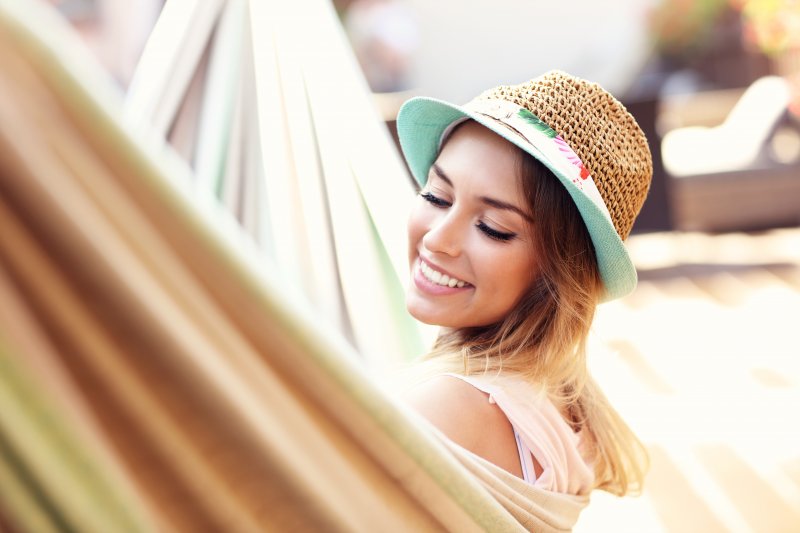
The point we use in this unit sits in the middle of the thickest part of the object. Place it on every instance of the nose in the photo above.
(445, 234)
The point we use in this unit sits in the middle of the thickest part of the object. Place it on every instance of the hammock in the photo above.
(267, 105)
(158, 373)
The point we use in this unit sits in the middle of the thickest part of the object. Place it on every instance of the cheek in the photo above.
(526, 271)
(513, 272)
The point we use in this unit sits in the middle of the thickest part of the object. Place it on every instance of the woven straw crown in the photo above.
(599, 129)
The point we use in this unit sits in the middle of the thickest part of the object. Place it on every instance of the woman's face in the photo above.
(470, 244)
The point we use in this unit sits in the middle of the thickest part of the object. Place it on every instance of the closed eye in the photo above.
(482, 226)
(494, 234)
(434, 200)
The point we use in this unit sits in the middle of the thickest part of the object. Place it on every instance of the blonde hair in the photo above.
(544, 337)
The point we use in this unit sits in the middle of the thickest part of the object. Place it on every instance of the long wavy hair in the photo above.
(544, 337)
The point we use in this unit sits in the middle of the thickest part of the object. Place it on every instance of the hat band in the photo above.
(546, 144)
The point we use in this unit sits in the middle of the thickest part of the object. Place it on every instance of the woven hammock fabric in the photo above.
(266, 103)
(155, 374)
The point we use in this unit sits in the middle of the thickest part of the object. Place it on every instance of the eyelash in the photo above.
(435, 200)
(489, 232)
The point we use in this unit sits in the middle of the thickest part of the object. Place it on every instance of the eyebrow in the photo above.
(493, 202)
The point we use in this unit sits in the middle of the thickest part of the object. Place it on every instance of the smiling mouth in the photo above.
(434, 276)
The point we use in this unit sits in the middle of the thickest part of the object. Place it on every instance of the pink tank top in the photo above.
(540, 431)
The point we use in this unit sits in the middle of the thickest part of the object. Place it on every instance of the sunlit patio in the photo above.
(703, 361)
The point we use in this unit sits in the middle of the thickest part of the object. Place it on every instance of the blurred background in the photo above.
(704, 358)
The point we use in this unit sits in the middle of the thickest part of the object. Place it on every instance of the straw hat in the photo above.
(578, 130)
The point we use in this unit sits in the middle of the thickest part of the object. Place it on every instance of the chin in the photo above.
(438, 317)
(425, 318)
(429, 316)
(445, 320)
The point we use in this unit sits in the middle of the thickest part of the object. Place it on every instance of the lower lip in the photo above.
(426, 285)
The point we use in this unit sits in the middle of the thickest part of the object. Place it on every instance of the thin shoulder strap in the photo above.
(484, 387)
(525, 454)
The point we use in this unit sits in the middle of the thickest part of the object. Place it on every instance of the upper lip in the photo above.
(440, 269)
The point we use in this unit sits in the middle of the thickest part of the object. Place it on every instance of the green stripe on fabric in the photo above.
(52, 461)
(408, 332)
(20, 495)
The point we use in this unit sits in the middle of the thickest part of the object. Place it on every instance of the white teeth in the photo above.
(439, 278)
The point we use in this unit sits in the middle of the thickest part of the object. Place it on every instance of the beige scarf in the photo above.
(533, 508)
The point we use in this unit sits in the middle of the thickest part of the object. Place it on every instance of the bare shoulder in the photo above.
(463, 413)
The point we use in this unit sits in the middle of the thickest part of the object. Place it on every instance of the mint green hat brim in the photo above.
(422, 121)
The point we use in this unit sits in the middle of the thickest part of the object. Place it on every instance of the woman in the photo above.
(528, 192)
